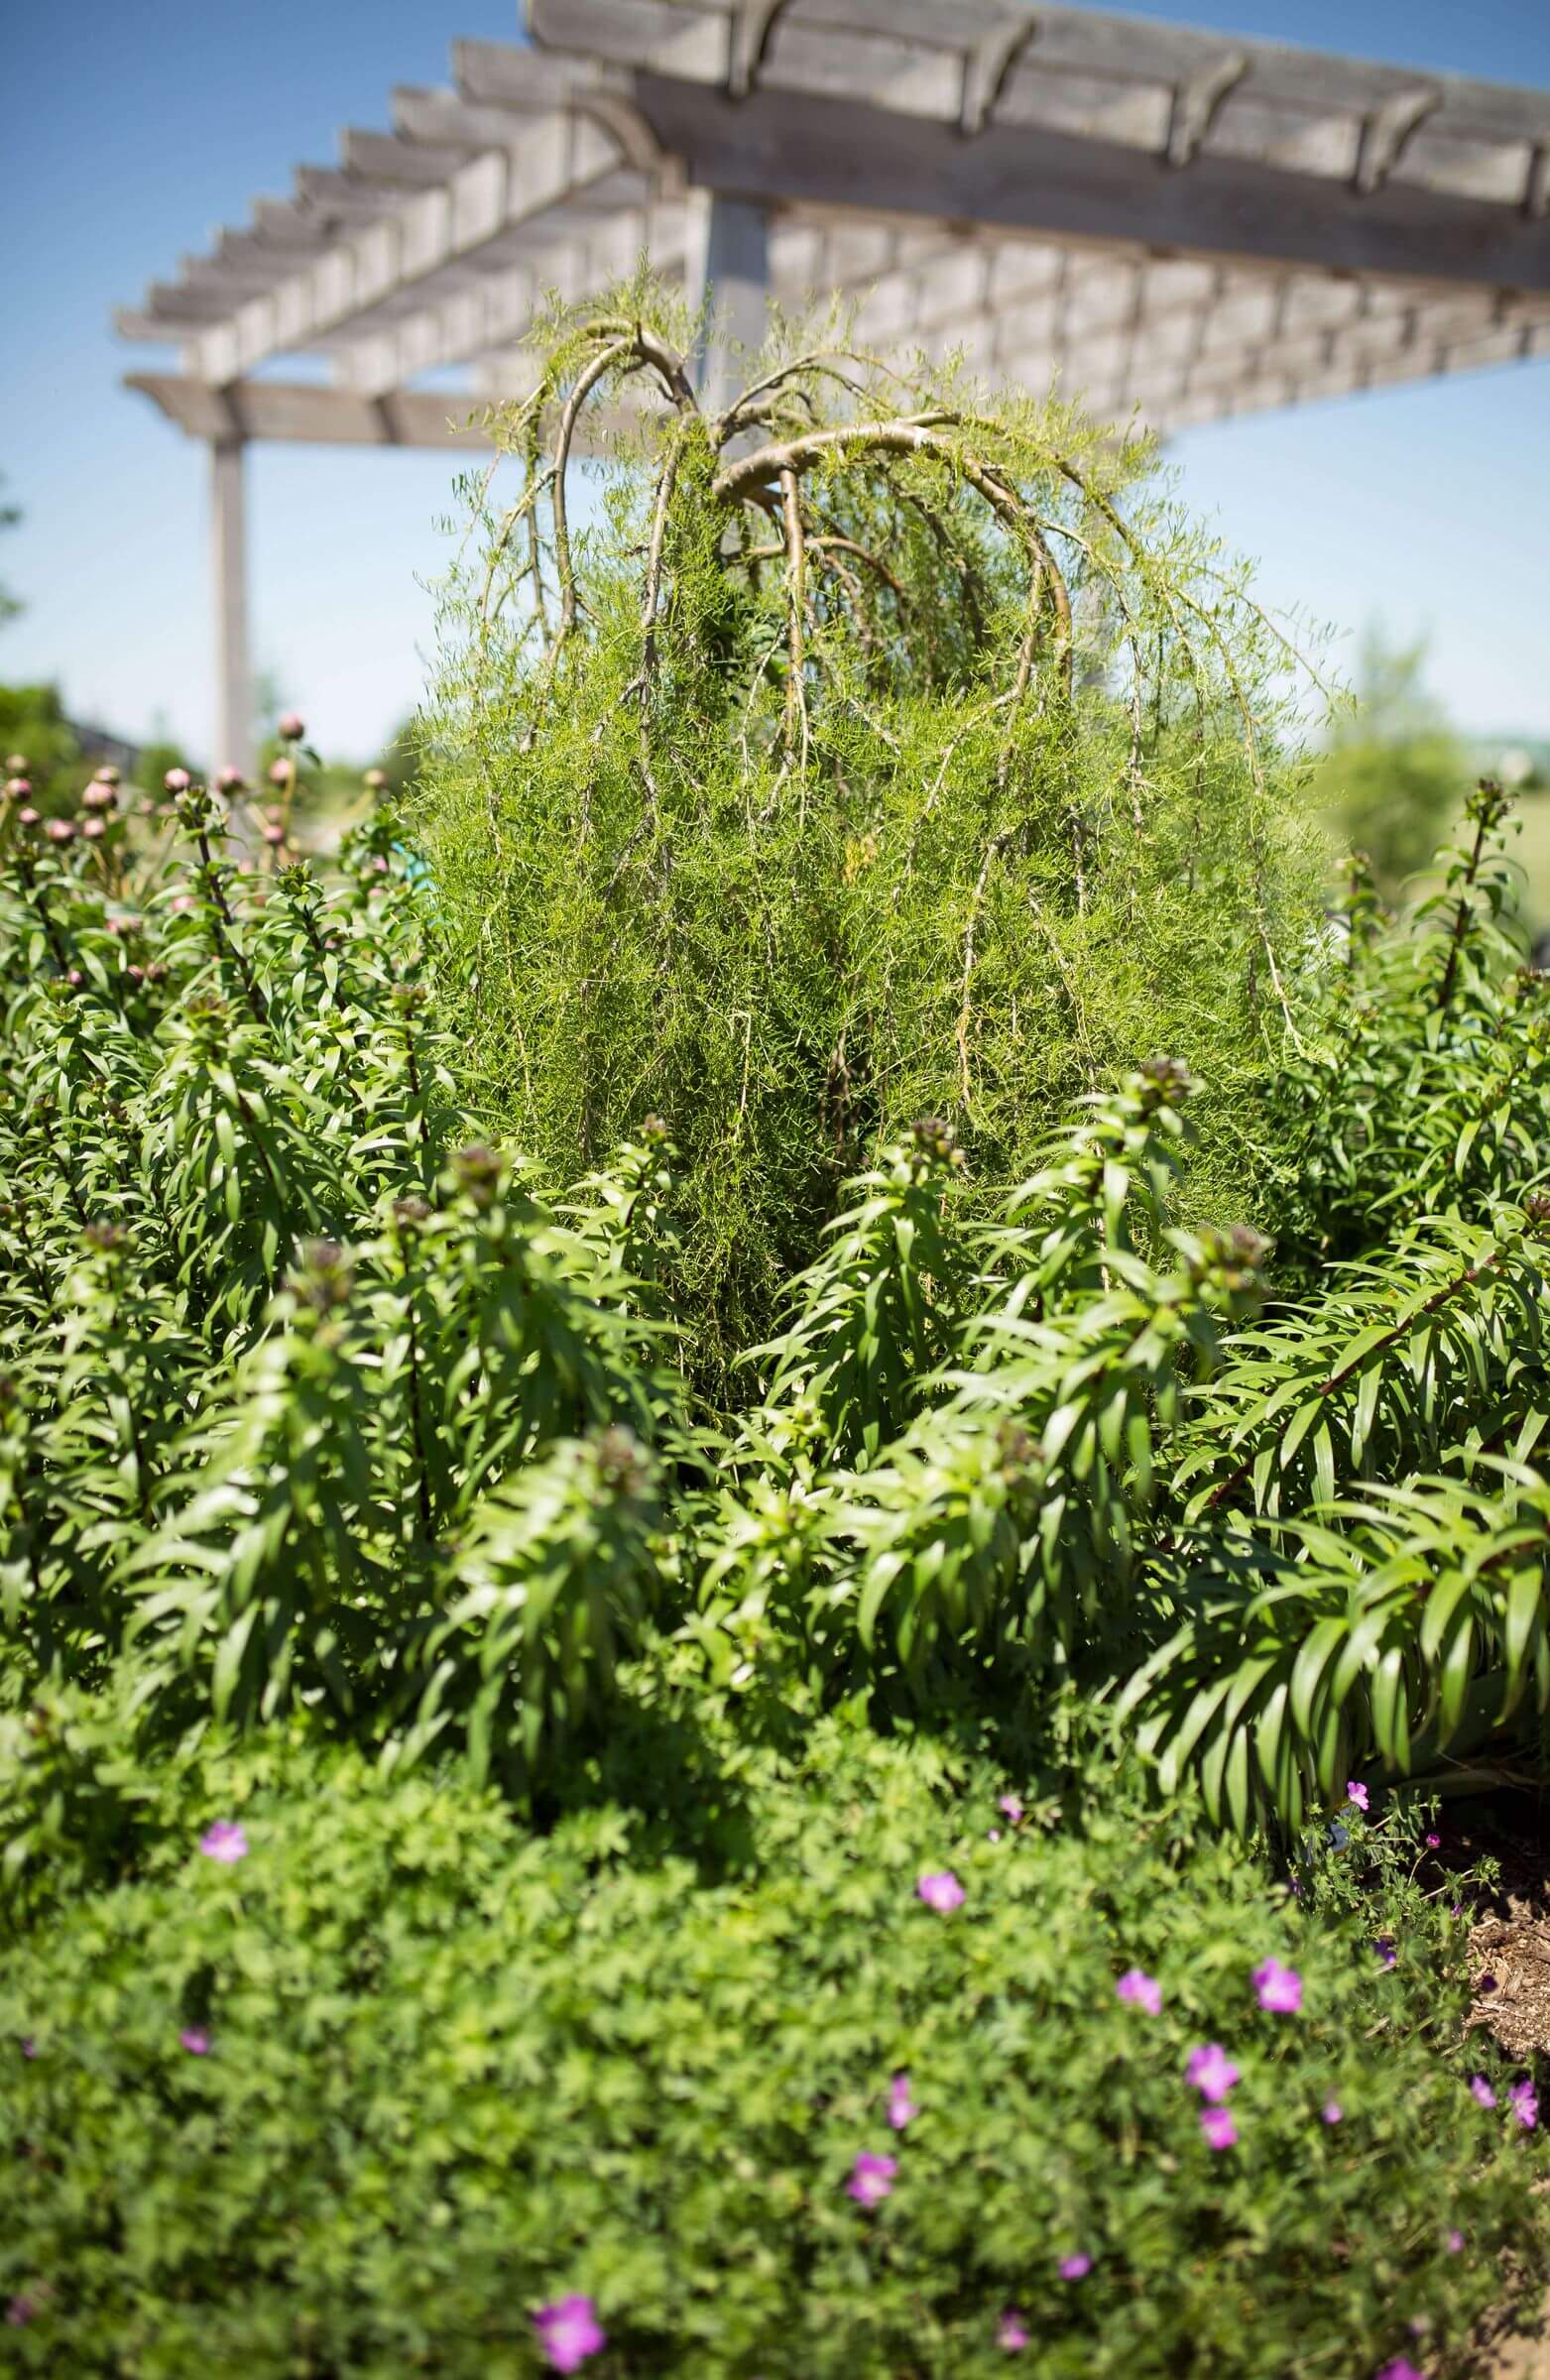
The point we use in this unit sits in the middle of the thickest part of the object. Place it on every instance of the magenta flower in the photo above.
(1138, 1989)
(1454, 2242)
(1523, 2100)
(872, 2179)
(1357, 1795)
(942, 1892)
(1434, 1843)
(1012, 2333)
(1011, 1808)
(195, 2042)
(568, 2332)
(225, 1841)
(1400, 2369)
(1211, 2071)
(1219, 2128)
(1333, 2112)
(1075, 2268)
(1280, 1988)
(1480, 2091)
(900, 2107)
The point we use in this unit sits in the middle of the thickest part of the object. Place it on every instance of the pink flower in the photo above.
(60, 830)
(1480, 2091)
(1075, 2268)
(21, 2310)
(1434, 1843)
(1219, 2128)
(900, 2107)
(942, 1892)
(28, 816)
(1280, 1988)
(225, 1841)
(229, 780)
(182, 902)
(195, 2042)
(1211, 2071)
(1012, 2333)
(1011, 1808)
(28, 2046)
(293, 726)
(1138, 1989)
(178, 781)
(18, 787)
(1400, 2369)
(568, 2332)
(1333, 2112)
(1524, 2103)
(992, 1834)
(872, 2179)
(1454, 2242)
(1357, 1795)
(280, 772)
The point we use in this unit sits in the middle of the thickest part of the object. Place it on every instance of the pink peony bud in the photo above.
(178, 781)
(107, 774)
(16, 764)
(94, 829)
(292, 727)
(60, 830)
(18, 787)
(75, 977)
(98, 796)
(280, 772)
(376, 779)
(182, 902)
(274, 834)
(28, 817)
(229, 780)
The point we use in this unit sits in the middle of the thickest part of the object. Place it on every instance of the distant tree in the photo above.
(10, 604)
(1391, 778)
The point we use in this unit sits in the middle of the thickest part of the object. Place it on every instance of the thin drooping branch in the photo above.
(796, 612)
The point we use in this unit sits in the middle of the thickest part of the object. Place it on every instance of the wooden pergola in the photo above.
(1172, 224)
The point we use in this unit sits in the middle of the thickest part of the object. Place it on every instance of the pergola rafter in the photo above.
(1173, 224)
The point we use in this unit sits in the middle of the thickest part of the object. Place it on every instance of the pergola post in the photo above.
(727, 273)
(229, 561)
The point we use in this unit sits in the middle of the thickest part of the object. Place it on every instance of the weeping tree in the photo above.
(872, 747)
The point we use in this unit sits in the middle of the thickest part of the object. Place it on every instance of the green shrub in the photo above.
(457, 2070)
(949, 776)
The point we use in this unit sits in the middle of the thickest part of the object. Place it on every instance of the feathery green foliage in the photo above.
(877, 748)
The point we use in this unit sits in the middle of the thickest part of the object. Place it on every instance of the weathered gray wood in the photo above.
(229, 570)
(841, 154)
(727, 273)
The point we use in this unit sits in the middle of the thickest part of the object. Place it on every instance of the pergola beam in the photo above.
(845, 154)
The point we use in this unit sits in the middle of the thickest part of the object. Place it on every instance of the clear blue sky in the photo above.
(133, 130)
